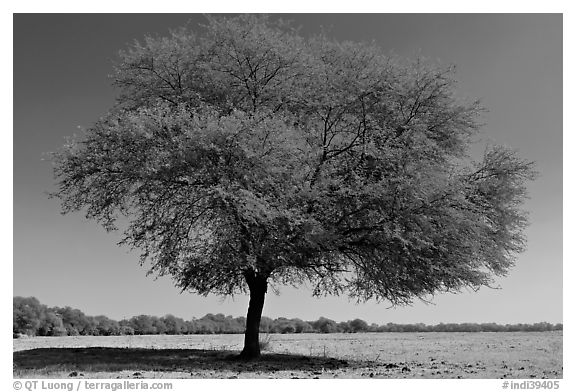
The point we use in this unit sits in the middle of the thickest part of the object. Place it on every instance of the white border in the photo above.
(300, 6)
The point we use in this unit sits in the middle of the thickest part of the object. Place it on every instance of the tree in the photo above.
(106, 326)
(174, 325)
(344, 326)
(358, 325)
(126, 327)
(301, 326)
(75, 321)
(52, 325)
(28, 314)
(159, 325)
(266, 324)
(143, 325)
(246, 155)
(325, 325)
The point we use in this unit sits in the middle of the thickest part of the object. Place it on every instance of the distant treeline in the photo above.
(35, 319)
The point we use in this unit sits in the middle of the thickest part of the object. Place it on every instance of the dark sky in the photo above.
(61, 62)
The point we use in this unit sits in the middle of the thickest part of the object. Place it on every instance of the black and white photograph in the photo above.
(287, 196)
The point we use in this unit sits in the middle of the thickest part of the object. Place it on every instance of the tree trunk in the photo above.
(258, 286)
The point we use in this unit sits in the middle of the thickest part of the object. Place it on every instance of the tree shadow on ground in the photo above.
(105, 359)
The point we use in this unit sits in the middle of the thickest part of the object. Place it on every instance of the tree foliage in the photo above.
(249, 152)
(34, 319)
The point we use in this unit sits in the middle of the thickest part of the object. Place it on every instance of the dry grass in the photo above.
(382, 355)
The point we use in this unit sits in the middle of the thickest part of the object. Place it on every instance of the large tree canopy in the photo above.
(246, 155)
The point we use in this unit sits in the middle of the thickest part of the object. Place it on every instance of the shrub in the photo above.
(265, 342)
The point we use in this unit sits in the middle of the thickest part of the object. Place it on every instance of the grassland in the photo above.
(377, 355)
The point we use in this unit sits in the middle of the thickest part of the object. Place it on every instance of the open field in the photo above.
(362, 355)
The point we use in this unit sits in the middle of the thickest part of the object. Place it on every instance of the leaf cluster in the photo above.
(249, 149)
